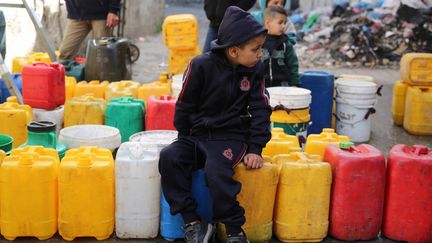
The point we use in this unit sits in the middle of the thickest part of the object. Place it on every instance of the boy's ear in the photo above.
(266, 23)
(232, 52)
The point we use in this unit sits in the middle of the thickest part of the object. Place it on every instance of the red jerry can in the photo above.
(408, 205)
(44, 85)
(356, 205)
(160, 113)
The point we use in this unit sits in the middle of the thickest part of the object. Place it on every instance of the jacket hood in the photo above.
(263, 3)
(237, 26)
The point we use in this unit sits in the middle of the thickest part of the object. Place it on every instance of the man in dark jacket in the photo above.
(223, 118)
(99, 16)
(215, 10)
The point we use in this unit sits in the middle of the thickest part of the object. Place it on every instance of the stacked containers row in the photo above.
(412, 96)
(180, 36)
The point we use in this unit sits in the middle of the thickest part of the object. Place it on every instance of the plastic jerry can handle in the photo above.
(420, 149)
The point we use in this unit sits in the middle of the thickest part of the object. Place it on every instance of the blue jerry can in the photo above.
(4, 90)
(171, 225)
(321, 84)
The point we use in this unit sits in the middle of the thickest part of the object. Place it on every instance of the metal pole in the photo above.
(41, 31)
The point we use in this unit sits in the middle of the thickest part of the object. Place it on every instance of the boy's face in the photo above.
(276, 25)
(275, 2)
(250, 54)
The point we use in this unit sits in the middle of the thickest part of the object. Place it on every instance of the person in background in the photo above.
(98, 16)
(279, 57)
(215, 10)
(2, 35)
(223, 118)
(289, 27)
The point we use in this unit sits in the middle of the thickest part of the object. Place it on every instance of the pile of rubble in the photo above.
(363, 33)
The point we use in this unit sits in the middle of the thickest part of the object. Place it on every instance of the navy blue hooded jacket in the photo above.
(91, 9)
(222, 101)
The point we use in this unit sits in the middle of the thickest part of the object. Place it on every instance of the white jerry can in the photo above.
(138, 187)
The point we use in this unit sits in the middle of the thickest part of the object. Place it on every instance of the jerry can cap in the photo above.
(345, 145)
(41, 126)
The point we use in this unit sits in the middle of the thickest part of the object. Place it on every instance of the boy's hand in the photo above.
(253, 161)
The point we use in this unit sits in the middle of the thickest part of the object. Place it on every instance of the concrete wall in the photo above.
(143, 17)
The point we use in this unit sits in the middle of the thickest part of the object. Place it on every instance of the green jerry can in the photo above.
(108, 58)
(127, 114)
(43, 133)
(74, 69)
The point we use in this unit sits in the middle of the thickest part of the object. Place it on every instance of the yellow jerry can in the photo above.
(302, 199)
(180, 31)
(398, 102)
(28, 185)
(179, 59)
(157, 88)
(94, 88)
(14, 119)
(418, 111)
(124, 88)
(281, 143)
(316, 143)
(70, 85)
(84, 110)
(41, 57)
(86, 194)
(2, 156)
(19, 62)
(257, 197)
(416, 69)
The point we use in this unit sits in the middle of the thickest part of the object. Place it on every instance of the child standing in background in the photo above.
(279, 57)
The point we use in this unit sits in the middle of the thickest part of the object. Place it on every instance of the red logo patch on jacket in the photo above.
(245, 84)
(228, 154)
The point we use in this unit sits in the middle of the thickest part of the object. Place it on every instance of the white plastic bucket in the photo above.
(290, 97)
(353, 118)
(90, 135)
(55, 116)
(138, 190)
(355, 89)
(160, 138)
(355, 77)
(176, 85)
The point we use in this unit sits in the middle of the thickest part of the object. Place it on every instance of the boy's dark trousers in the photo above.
(218, 157)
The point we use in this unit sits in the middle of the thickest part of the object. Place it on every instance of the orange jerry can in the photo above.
(94, 88)
(160, 113)
(157, 88)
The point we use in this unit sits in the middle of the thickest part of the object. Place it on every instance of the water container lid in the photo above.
(345, 145)
(41, 126)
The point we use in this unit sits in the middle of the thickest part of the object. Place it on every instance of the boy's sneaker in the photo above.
(239, 238)
(199, 232)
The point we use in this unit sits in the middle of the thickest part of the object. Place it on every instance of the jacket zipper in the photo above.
(271, 71)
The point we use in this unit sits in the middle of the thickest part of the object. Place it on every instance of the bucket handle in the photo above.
(379, 90)
(370, 112)
(281, 107)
